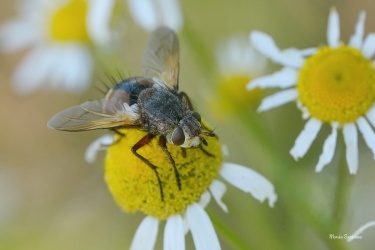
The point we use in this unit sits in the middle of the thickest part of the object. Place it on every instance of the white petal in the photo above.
(291, 57)
(304, 110)
(98, 20)
(186, 225)
(143, 13)
(328, 149)
(264, 43)
(367, 133)
(368, 48)
(305, 138)
(238, 56)
(351, 142)
(357, 37)
(278, 99)
(151, 14)
(224, 150)
(145, 236)
(74, 68)
(202, 230)
(308, 51)
(360, 230)
(33, 70)
(63, 66)
(172, 14)
(99, 144)
(205, 199)
(333, 30)
(218, 189)
(174, 236)
(286, 77)
(371, 115)
(249, 181)
(17, 34)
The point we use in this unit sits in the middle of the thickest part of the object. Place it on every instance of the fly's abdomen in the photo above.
(126, 91)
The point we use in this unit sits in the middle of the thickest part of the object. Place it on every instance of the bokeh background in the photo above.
(50, 198)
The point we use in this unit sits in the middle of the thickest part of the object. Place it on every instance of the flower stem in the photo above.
(342, 193)
(202, 57)
(228, 233)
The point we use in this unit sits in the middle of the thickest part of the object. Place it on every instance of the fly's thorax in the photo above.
(160, 110)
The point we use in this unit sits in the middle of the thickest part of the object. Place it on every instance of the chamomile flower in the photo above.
(150, 14)
(332, 84)
(238, 63)
(134, 187)
(62, 35)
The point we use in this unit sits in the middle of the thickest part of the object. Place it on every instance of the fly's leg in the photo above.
(205, 151)
(142, 142)
(121, 135)
(163, 145)
(183, 152)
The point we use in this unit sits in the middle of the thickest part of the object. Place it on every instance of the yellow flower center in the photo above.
(231, 97)
(69, 22)
(337, 84)
(135, 187)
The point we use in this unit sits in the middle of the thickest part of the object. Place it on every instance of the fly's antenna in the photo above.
(206, 133)
(209, 133)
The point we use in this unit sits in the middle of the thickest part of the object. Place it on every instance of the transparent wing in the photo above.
(91, 115)
(161, 58)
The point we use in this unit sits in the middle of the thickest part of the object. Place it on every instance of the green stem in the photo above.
(203, 58)
(228, 233)
(292, 197)
(342, 193)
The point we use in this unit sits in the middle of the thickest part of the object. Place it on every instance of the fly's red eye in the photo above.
(178, 136)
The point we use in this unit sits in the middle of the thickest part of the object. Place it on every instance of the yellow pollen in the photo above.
(69, 22)
(232, 97)
(134, 185)
(337, 84)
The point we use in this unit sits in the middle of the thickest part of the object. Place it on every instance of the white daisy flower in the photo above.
(134, 186)
(332, 84)
(238, 62)
(61, 35)
(237, 56)
(150, 14)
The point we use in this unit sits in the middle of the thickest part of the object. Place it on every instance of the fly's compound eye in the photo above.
(197, 116)
(178, 136)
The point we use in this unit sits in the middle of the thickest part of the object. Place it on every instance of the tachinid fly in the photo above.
(151, 102)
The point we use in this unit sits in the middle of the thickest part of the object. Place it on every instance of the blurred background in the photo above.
(50, 198)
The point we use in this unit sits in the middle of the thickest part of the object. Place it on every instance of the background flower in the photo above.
(62, 36)
(238, 62)
(151, 14)
(334, 84)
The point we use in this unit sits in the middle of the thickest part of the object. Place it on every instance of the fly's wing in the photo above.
(161, 58)
(91, 115)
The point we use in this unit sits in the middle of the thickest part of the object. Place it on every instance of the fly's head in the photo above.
(188, 133)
